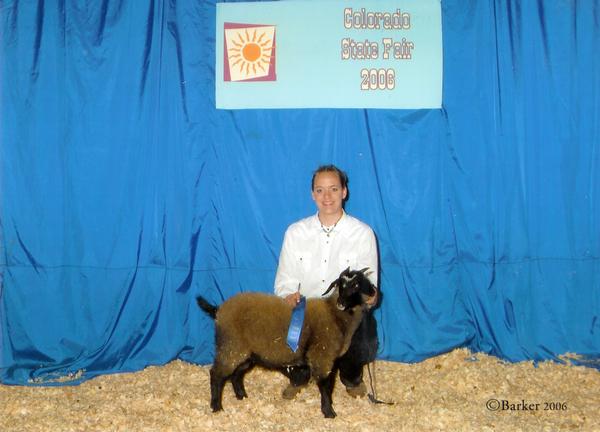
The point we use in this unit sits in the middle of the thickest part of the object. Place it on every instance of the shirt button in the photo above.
(323, 280)
(325, 260)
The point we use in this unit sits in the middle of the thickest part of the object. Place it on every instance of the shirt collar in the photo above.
(316, 223)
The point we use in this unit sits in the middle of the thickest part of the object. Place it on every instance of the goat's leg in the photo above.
(298, 375)
(326, 390)
(321, 361)
(237, 379)
(217, 382)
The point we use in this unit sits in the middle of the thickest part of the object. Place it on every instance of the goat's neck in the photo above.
(352, 325)
(348, 320)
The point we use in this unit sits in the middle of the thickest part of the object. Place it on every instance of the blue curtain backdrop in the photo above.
(124, 193)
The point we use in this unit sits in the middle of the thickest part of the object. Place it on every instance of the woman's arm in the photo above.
(288, 274)
(369, 258)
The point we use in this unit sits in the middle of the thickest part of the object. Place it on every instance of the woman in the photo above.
(315, 251)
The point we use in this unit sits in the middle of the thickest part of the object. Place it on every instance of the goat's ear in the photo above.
(333, 285)
(366, 271)
(367, 288)
(369, 293)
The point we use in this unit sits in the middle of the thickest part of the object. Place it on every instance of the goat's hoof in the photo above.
(216, 408)
(357, 391)
(241, 396)
(329, 413)
(291, 391)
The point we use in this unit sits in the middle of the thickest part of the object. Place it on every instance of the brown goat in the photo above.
(251, 328)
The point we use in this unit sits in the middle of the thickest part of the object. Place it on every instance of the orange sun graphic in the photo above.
(249, 52)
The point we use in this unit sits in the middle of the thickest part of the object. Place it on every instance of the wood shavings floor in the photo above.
(457, 391)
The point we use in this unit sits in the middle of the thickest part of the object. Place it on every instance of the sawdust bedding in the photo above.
(455, 391)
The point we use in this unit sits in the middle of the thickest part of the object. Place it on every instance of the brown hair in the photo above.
(330, 168)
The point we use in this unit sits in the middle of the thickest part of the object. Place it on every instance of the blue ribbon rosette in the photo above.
(296, 322)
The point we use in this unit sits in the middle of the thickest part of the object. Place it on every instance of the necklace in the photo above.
(328, 230)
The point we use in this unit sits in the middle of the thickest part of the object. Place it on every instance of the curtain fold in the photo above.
(124, 194)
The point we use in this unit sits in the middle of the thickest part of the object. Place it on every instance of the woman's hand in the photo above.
(292, 299)
(372, 301)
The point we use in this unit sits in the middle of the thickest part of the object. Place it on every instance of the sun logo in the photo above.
(249, 52)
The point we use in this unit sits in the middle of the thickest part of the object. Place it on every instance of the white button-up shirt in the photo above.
(313, 258)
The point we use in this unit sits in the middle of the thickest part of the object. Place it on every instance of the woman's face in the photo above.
(328, 193)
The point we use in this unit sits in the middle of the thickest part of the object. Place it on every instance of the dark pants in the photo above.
(362, 350)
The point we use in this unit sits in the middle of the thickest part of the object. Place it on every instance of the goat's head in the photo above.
(354, 288)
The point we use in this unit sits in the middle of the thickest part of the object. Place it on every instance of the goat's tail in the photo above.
(207, 307)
